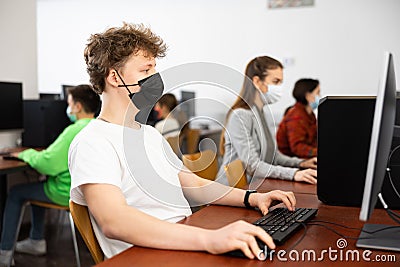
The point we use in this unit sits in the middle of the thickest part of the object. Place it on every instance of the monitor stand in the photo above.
(387, 239)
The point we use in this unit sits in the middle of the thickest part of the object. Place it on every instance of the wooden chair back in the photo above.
(203, 164)
(192, 140)
(174, 142)
(236, 174)
(80, 214)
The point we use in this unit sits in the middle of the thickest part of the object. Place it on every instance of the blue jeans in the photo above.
(17, 196)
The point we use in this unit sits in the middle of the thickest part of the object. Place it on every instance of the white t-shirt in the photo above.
(168, 127)
(140, 162)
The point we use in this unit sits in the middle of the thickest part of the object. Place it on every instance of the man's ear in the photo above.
(79, 106)
(112, 78)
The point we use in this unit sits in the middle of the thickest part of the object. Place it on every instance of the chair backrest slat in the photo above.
(203, 164)
(236, 174)
(80, 215)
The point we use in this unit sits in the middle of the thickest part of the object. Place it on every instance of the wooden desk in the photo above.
(7, 167)
(317, 239)
(296, 187)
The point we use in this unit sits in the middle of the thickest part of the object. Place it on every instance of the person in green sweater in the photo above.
(83, 103)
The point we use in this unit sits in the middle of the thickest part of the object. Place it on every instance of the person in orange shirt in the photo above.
(297, 132)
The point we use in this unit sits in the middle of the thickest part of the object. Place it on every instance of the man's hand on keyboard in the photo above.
(264, 200)
(239, 235)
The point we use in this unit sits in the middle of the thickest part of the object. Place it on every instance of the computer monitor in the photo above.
(64, 91)
(11, 109)
(44, 121)
(188, 103)
(49, 96)
(376, 235)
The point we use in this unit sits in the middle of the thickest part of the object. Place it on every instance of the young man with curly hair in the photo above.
(135, 187)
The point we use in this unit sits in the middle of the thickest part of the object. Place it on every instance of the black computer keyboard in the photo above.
(281, 223)
(9, 157)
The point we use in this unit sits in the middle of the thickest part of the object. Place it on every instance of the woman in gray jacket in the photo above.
(247, 135)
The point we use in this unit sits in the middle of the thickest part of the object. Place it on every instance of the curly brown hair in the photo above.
(112, 48)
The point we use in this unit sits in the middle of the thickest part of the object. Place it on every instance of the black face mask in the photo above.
(151, 89)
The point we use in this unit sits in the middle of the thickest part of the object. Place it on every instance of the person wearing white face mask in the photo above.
(247, 135)
(297, 132)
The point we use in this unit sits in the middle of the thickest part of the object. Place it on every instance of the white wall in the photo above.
(18, 46)
(339, 42)
(18, 51)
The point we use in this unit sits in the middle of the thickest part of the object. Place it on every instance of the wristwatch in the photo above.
(246, 198)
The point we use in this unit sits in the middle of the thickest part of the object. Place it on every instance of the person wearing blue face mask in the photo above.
(83, 103)
(249, 138)
(297, 132)
(71, 116)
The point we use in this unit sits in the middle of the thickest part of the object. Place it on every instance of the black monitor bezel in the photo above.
(18, 106)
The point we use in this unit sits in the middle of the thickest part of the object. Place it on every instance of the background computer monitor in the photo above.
(11, 110)
(64, 91)
(44, 121)
(187, 103)
(381, 137)
(49, 96)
